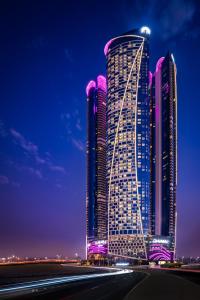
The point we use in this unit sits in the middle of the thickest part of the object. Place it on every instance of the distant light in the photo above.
(122, 264)
(145, 29)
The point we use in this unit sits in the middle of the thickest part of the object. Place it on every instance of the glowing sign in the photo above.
(160, 241)
(97, 247)
(158, 252)
(145, 30)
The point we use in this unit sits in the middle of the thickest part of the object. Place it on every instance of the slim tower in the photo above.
(128, 143)
(164, 150)
(96, 208)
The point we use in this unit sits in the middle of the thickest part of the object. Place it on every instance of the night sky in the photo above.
(49, 50)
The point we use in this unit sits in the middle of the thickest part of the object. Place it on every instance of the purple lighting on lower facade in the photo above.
(91, 84)
(97, 248)
(158, 252)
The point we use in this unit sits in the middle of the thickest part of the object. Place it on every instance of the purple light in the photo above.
(101, 82)
(91, 84)
(159, 252)
(158, 256)
(166, 87)
(94, 248)
(157, 113)
(150, 78)
(159, 64)
(108, 45)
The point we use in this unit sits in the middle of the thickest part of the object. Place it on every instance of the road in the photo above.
(127, 286)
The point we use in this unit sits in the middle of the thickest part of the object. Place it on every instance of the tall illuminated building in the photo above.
(128, 143)
(164, 150)
(96, 207)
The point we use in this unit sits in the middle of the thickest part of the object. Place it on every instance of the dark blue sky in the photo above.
(49, 50)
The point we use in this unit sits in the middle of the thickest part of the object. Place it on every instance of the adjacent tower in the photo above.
(164, 151)
(96, 207)
(128, 143)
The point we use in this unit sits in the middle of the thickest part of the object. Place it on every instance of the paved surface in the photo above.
(21, 273)
(110, 287)
(165, 286)
(155, 285)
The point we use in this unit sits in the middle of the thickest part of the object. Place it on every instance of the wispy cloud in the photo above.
(59, 186)
(26, 145)
(34, 172)
(33, 150)
(3, 131)
(78, 144)
(68, 55)
(31, 170)
(73, 128)
(57, 168)
(78, 124)
(16, 184)
(4, 179)
(38, 42)
(169, 18)
(175, 18)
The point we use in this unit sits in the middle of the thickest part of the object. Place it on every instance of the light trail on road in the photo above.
(55, 281)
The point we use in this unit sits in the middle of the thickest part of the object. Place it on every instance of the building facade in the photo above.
(164, 150)
(128, 143)
(96, 206)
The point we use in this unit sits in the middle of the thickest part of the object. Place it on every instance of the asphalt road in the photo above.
(136, 286)
(99, 287)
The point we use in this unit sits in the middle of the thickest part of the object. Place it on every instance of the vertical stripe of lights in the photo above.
(138, 202)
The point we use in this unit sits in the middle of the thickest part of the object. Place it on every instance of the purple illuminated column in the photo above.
(158, 116)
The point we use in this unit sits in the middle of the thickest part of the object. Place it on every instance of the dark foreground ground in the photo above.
(22, 273)
(139, 285)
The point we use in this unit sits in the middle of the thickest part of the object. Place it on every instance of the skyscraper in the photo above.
(96, 207)
(164, 150)
(128, 143)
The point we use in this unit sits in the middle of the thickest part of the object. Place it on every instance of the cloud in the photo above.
(66, 119)
(33, 150)
(16, 184)
(38, 42)
(4, 180)
(68, 55)
(33, 171)
(175, 18)
(3, 132)
(58, 185)
(78, 144)
(78, 124)
(57, 168)
(168, 18)
(26, 145)
(73, 127)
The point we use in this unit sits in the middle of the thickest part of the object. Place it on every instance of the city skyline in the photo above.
(43, 119)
